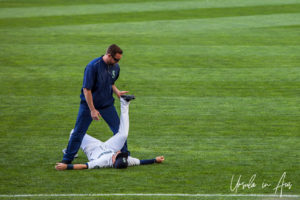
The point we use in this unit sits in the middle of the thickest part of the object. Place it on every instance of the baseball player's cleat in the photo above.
(128, 97)
(65, 151)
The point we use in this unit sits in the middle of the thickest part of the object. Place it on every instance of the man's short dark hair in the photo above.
(113, 50)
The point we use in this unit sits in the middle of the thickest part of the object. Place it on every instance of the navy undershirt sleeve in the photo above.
(146, 162)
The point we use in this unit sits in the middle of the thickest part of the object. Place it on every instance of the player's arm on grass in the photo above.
(117, 91)
(89, 99)
(134, 161)
(62, 166)
(158, 159)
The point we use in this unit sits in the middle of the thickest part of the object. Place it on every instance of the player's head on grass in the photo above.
(120, 160)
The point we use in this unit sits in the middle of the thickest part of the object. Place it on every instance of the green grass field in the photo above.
(217, 85)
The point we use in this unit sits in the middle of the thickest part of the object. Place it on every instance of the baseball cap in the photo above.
(121, 160)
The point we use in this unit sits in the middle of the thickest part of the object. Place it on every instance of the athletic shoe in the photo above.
(65, 151)
(128, 97)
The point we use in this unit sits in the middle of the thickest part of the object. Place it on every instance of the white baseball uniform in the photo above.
(100, 153)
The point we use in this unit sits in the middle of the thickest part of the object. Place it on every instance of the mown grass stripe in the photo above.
(192, 50)
(148, 16)
(259, 36)
(168, 27)
(51, 3)
(130, 7)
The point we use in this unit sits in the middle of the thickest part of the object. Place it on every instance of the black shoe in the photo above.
(66, 162)
(128, 97)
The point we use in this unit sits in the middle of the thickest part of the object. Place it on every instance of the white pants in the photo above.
(117, 141)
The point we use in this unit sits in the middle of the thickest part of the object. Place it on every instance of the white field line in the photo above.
(154, 194)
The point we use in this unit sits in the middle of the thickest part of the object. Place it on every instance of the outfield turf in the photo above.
(217, 85)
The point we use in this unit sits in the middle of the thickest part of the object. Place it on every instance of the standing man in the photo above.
(97, 99)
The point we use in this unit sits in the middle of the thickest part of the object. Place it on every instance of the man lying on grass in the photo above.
(107, 154)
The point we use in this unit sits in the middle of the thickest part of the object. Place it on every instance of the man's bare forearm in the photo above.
(115, 89)
(89, 98)
(80, 166)
(63, 166)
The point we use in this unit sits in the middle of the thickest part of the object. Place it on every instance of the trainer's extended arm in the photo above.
(117, 91)
(62, 166)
